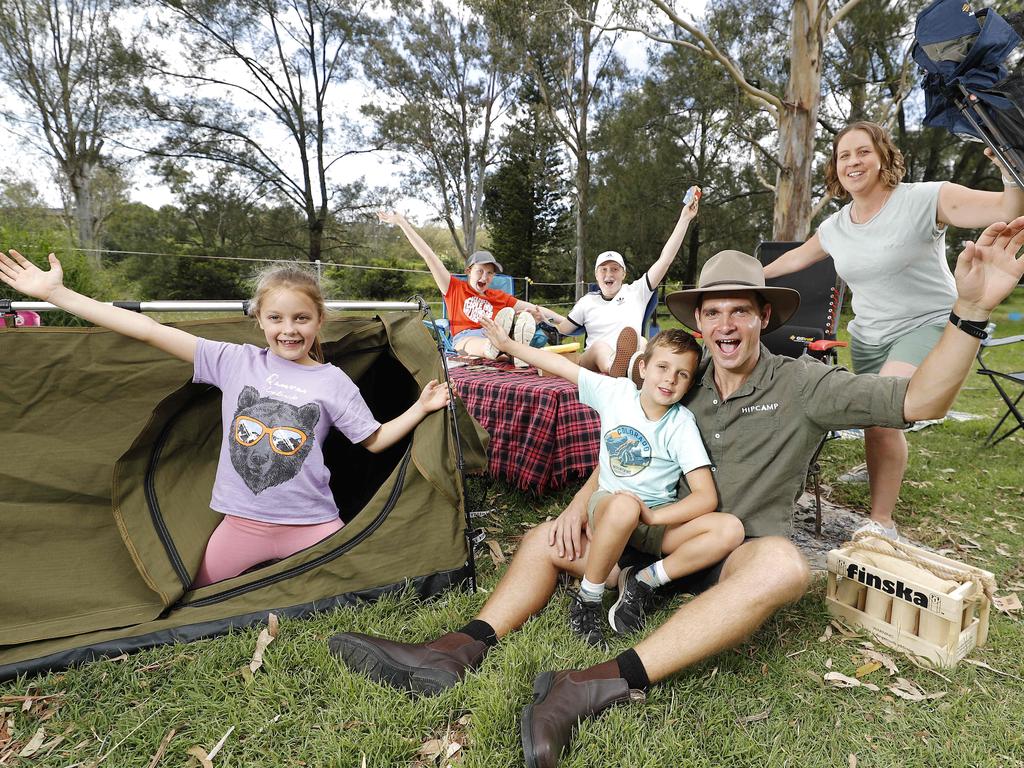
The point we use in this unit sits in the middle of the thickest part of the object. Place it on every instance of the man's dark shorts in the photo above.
(691, 584)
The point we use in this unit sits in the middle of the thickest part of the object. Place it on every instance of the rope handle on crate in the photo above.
(866, 541)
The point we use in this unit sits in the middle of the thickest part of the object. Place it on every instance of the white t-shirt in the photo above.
(605, 318)
(639, 455)
(895, 264)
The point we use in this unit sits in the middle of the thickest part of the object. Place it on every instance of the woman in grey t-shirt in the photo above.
(888, 244)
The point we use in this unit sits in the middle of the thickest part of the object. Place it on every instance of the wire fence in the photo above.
(522, 285)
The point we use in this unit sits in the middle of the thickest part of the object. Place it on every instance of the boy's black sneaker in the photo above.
(585, 619)
(629, 614)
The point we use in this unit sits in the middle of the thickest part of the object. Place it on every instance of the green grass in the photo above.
(763, 704)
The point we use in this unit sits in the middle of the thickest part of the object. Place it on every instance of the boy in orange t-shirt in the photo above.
(469, 301)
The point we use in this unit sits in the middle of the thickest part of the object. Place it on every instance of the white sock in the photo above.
(654, 575)
(590, 591)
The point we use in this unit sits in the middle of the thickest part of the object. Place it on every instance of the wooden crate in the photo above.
(910, 617)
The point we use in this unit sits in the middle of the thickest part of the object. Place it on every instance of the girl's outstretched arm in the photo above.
(24, 276)
(437, 268)
(434, 397)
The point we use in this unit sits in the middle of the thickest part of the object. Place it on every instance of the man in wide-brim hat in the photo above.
(761, 417)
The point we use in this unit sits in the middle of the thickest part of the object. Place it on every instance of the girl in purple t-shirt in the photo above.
(278, 405)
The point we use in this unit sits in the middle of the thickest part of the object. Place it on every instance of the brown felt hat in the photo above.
(729, 272)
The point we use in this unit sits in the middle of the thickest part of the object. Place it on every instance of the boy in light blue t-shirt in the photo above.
(647, 441)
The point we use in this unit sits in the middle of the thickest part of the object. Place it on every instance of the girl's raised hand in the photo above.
(24, 276)
(389, 217)
(434, 396)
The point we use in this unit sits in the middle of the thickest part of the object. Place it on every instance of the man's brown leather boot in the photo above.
(560, 701)
(424, 668)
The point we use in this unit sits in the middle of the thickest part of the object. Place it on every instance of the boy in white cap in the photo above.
(614, 314)
(470, 300)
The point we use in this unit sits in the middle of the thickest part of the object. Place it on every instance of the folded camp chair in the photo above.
(1003, 381)
(974, 78)
(811, 331)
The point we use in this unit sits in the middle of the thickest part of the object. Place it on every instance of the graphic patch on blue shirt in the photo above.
(628, 449)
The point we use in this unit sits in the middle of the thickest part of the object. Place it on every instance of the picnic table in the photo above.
(542, 437)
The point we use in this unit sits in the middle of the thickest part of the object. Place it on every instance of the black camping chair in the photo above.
(811, 330)
(972, 85)
(1004, 382)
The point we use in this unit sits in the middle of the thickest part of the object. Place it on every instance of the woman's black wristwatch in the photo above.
(975, 328)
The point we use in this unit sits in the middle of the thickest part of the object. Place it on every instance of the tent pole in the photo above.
(460, 462)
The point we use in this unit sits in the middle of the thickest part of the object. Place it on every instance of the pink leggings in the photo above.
(238, 544)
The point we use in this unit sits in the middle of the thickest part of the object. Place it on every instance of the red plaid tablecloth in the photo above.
(542, 437)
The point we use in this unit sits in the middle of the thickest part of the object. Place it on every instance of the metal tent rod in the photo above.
(213, 306)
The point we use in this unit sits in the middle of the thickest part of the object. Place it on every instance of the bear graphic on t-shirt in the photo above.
(270, 439)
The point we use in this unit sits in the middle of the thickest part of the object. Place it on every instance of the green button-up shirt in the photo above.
(762, 437)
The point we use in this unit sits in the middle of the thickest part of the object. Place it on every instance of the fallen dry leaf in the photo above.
(839, 680)
(851, 760)
(159, 754)
(33, 744)
(497, 556)
(753, 718)
(200, 754)
(206, 759)
(842, 629)
(983, 665)
(431, 749)
(826, 634)
(267, 636)
(1008, 604)
(28, 700)
(866, 669)
(881, 658)
(49, 746)
(910, 691)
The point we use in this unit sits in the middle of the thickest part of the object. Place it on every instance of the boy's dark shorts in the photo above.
(645, 538)
(691, 584)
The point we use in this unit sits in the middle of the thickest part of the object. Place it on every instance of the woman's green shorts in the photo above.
(912, 347)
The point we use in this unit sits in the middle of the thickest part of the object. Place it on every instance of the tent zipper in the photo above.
(325, 558)
(154, 510)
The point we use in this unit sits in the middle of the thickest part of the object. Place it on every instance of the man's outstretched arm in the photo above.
(986, 273)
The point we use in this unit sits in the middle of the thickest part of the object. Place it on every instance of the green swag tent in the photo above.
(105, 478)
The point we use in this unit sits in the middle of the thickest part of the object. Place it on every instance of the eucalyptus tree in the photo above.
(442, 84)
(70, 70)
(680, 126)
(783, 80)
(257, 87)
(571, 61)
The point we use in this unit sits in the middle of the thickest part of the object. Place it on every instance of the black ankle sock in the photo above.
(482, 631)
(632, 669)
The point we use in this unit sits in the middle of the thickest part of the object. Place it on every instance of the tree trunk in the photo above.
(316, 238)
(80, 181)
(797, 121)
(582, 202)
(692, 253)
